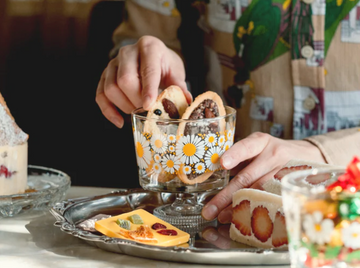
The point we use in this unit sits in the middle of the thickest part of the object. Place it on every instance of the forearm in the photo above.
(338, 147)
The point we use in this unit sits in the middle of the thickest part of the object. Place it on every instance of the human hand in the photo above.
(133, 78)
(218, 237)
(254, 160)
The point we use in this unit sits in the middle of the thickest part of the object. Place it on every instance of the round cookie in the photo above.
(206, 105)
(170, 104)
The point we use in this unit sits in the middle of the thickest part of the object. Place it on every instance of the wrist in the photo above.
(315, 153)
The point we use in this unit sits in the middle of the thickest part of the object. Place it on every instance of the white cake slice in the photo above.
(258, 219)
(13, 154)
(273, 185)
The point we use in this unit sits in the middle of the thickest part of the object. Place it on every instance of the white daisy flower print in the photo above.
(172, 148)
(142, 148)
(221, 140)
(190, 149)
(318, 230)
(157, 158)
(212, 158)
(350, 235)
(170, 164)
(157, 168)
(158, 143)
(200, 168)
(230, 135)
(186, 169)
(210, 140)
(171, 138)
(227, 145)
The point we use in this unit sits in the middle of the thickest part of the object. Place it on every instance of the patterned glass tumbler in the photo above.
(323, 226)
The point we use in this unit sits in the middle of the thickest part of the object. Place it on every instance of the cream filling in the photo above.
(15, 159)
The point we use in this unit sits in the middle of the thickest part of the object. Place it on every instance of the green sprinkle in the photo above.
(350, 208)
(312, 249)
(124, 224)
(332, 252)
(353, 256)
(136, 219)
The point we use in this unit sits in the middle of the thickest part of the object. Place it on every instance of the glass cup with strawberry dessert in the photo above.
(322, 210)
(178, 147)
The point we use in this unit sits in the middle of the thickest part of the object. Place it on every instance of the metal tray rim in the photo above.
(59, 209)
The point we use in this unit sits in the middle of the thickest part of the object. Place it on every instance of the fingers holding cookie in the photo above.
(107, 108)
(133, 78)
(128, 78)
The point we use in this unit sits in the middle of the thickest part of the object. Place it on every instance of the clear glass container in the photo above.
(45, 187)
(182, 156)
(323, 226)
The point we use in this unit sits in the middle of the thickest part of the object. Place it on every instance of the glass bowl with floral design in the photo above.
(182, 156)
(323, 222)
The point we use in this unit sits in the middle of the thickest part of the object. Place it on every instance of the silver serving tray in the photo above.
(70, 213)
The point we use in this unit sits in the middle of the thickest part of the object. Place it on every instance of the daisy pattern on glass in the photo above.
(230, 135)
(350, 235)
(212, 158)
(171, 138)
(170, 164)
(186, 169)
(142, 148)
(210, 140)
(157, 168)
(158, 143)
(227, 145)
(318, 230)
(200, 168)
(172, 148)
(157, 158)
(221, 140)
(190, 149)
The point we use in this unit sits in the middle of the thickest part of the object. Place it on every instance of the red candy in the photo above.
(349, 181)
(354, 169)
(157, 226)
(167, 232)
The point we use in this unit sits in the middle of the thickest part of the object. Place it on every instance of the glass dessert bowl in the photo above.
(182, 156)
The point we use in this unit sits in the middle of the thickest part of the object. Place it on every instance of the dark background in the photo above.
(51, 59)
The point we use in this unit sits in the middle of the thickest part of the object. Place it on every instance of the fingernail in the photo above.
(226, 161)
(225, 216)
(209, 212)
(210, 236)
(117, 122)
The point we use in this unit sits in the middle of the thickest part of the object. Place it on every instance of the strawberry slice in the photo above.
(279, 236)
(317, 179)
(286, 170)
(261, 224)
(241, 217)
